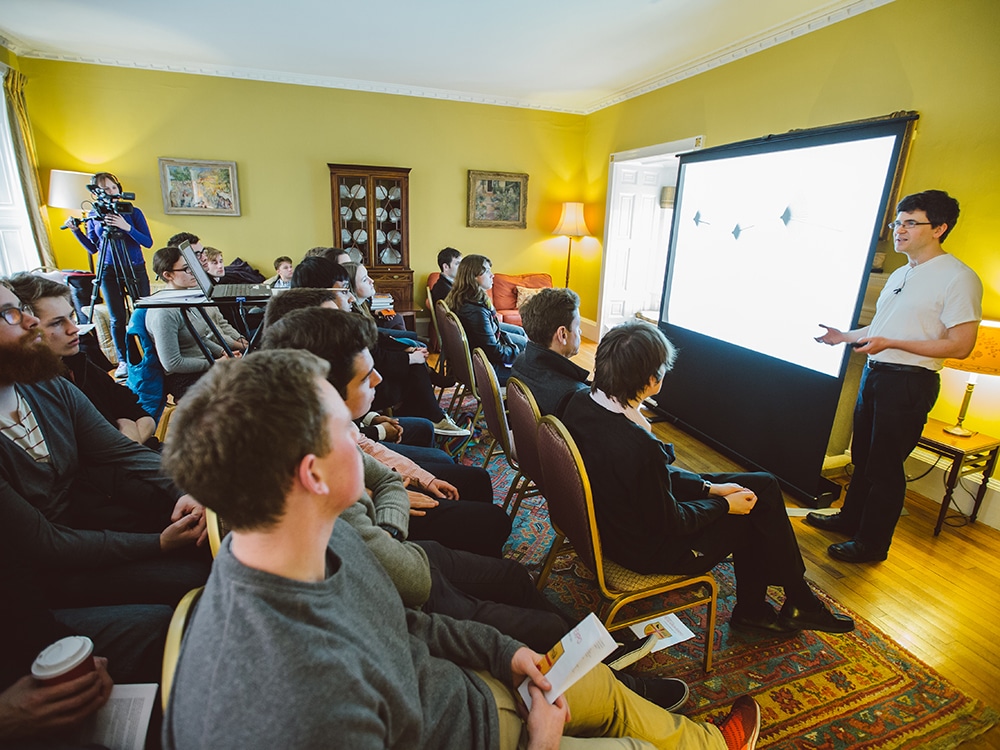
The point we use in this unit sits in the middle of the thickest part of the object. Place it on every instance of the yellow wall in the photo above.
(88, 117)
(940, 59)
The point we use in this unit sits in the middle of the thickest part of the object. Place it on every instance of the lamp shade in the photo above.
(571, 223)
(985, 358)
(68, 189)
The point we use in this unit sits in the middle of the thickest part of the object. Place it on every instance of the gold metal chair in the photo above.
(175, 634)
(217, 530)
(571, 510)
(496, 422)
(523, 417)
(455, 346)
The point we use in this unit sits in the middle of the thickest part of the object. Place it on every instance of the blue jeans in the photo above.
(112, 285)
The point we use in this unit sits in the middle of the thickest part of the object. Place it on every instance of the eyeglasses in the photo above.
(14, 315)
(338, 290)
(908, 224)
(184, 269)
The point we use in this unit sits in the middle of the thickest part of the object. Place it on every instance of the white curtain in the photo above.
(27, 245)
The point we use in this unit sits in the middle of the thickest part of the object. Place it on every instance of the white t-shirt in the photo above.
(920, 303)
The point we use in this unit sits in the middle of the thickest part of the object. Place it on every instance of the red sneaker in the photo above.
(741, 728)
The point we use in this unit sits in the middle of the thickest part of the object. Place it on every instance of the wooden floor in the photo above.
(939, 597)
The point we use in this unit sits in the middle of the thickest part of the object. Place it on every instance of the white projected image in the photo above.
(768, 246)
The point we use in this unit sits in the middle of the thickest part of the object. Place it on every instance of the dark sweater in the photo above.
(441, 288)
(269, 662)
(640, 501)
(112, 400)
(552, 378)
(40, 500)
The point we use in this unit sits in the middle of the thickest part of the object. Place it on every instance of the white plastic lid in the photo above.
(62, 656)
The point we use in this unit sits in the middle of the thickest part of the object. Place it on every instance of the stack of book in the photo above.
(381, 302)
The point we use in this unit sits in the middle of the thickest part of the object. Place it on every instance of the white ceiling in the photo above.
(563, 55)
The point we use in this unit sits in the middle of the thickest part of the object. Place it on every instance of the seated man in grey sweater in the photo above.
(300, 639)
(80, 501)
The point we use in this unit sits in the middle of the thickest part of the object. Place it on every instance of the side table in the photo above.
(968, 455)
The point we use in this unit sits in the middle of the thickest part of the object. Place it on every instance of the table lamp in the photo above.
(571, 224)
(985, 359)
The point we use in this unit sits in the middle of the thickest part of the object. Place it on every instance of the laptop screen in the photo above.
(200, 274)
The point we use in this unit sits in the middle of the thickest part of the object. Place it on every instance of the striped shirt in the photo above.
(24, 431)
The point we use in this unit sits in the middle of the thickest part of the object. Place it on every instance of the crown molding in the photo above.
(746, 47)
(771, 38)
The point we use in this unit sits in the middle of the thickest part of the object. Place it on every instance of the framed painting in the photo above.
(497, 199)
(206, 188)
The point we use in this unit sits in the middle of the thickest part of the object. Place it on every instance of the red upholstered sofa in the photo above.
(504, 291)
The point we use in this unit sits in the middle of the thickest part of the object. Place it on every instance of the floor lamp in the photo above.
(985, 359)
(69, 190)
(571, 224)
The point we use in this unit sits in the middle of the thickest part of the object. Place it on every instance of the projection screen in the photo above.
(770, 238)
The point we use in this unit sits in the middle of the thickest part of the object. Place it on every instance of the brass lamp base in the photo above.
(959, 431)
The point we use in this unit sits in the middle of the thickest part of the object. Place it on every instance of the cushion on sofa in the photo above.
(505, 287)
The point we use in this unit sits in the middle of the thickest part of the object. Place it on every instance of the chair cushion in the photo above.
(525, 293)
(619, 578)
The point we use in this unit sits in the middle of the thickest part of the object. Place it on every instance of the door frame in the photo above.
(615, 162)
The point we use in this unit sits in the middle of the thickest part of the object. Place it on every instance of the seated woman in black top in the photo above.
(655, 518)
(469, 301)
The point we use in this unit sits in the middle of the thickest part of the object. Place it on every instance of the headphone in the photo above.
(92, 187)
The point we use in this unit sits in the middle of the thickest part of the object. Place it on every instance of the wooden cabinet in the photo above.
(371, 222)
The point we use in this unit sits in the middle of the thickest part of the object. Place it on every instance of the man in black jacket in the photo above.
(552, 321)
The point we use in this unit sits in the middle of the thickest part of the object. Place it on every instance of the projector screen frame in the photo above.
(785, 429)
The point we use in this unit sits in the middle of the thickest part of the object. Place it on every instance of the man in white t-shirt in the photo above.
(928, 311)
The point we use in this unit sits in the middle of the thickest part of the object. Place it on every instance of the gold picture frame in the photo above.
(199, 187)
(498, 199)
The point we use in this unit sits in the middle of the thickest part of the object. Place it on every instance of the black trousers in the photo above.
(478, 527)
(765, 551)
(889, 416)
(495, 592)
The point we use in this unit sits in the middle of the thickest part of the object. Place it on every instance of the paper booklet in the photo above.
(669, 628)
(579, 651)
(122, 722)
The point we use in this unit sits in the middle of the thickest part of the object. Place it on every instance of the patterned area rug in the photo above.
(816, 690)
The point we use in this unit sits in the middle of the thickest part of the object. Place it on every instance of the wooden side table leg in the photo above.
(984, 485)
(953, 475)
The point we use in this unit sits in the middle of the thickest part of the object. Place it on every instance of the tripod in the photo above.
(113, 247)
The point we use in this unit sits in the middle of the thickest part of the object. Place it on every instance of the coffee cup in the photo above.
(64, 660)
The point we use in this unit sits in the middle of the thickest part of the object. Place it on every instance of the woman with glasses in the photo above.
(177, 349)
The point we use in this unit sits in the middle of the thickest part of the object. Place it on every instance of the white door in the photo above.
(637, 231)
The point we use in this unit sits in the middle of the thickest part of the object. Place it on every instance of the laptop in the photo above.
(222, 292)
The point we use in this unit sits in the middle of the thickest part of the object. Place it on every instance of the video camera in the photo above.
(106, 205)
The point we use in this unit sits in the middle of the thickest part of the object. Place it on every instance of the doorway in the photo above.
(641, 184)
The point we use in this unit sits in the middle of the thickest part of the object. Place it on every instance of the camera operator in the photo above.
(126, 222)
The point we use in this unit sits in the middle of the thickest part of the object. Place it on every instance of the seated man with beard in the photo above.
(82, 503)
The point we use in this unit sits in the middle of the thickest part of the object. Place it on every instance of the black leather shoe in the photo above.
(830, 522)
(820, 619)
(668, 693)
(765, 623)
(853, 551)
